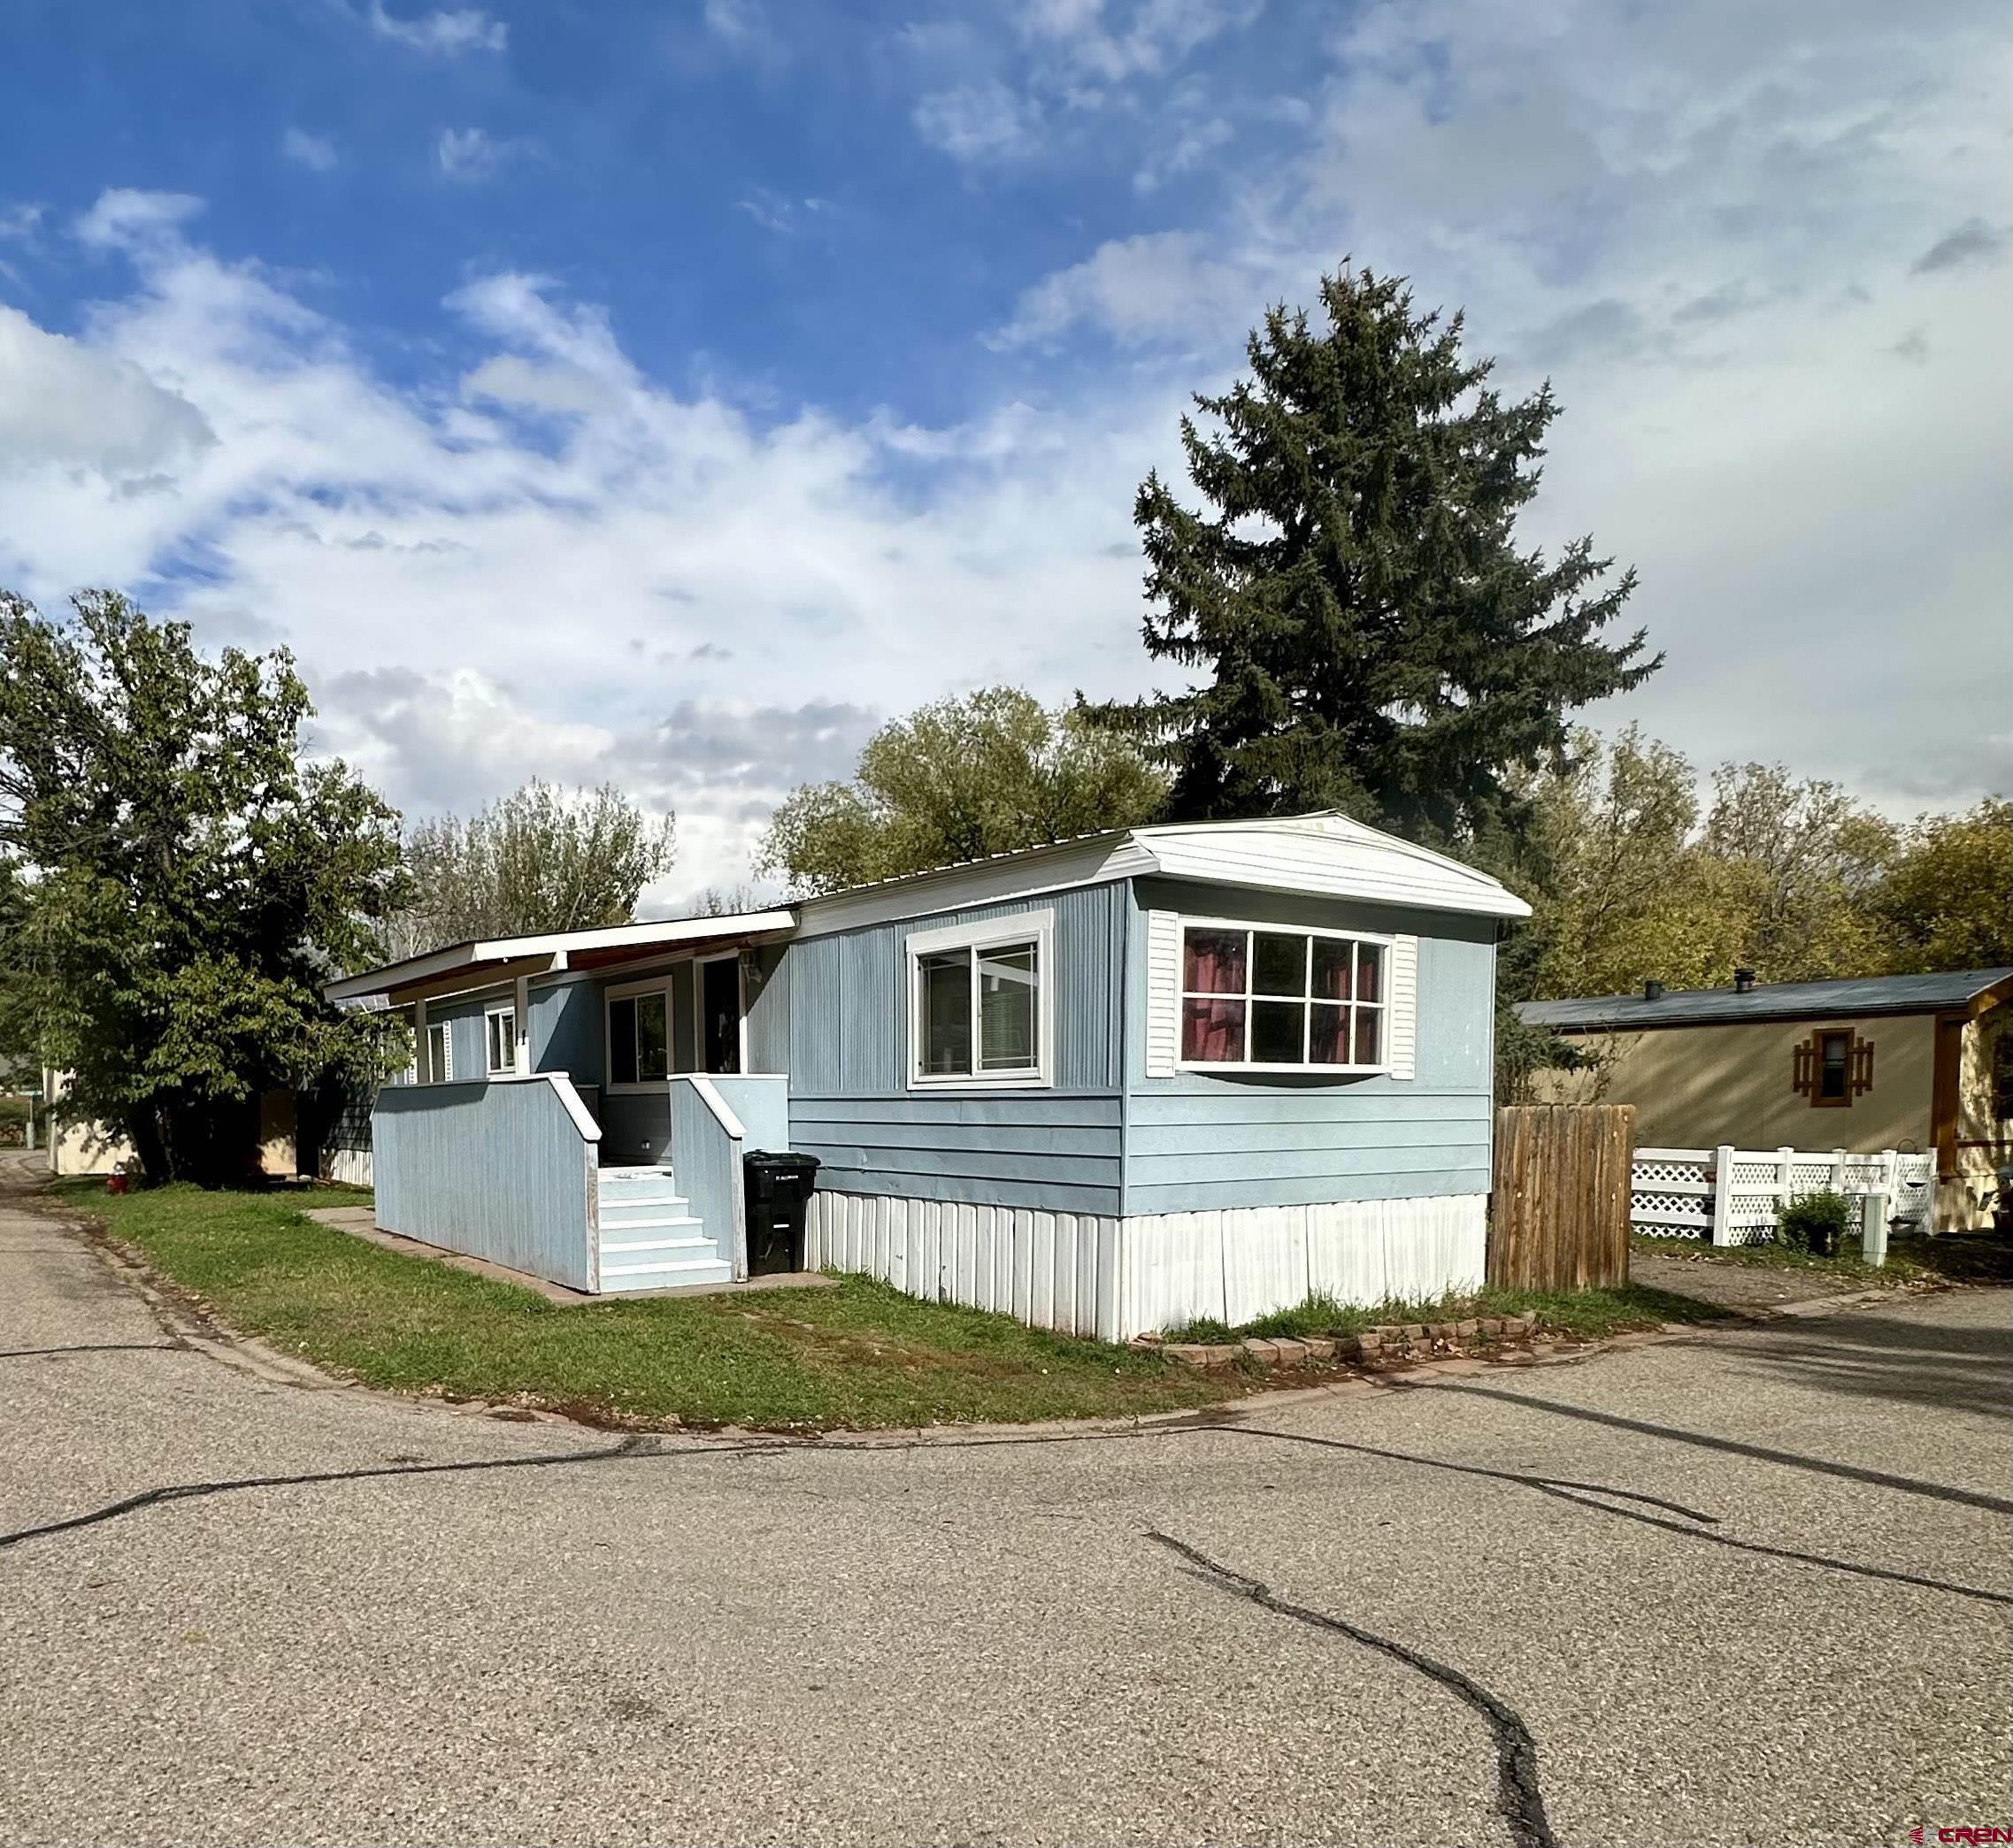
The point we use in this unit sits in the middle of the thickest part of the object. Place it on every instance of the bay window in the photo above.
(1271, 999)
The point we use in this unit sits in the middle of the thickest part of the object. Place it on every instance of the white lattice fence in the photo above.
(1729, 1195)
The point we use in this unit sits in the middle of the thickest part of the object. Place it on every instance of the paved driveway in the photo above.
(1749, 1589)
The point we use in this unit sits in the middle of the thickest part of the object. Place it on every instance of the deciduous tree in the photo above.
(542, 859)
(180, 882)
(957, 780)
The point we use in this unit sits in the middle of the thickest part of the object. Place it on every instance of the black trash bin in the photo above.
(779, 1190)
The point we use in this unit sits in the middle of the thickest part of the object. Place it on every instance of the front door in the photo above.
(719, 1015)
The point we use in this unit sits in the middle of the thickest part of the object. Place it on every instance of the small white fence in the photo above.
(1729, 1195)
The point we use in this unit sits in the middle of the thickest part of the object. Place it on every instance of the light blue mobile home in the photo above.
(1105, 1085)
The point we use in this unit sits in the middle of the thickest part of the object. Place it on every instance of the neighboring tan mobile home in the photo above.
(1105, 1085)
(1917, 1063)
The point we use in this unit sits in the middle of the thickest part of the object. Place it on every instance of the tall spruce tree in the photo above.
(1378, 641)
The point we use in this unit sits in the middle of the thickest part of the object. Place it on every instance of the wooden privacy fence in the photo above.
(1729, 1195)
(1559, 1208)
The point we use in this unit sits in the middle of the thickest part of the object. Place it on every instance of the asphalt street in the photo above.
(1744, 1588)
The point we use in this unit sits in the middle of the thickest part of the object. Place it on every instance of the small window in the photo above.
(500, 1029)
(1277, 1000)
(980, 1006)
(639, 1041)
(440, 1052)
(1831, 1067)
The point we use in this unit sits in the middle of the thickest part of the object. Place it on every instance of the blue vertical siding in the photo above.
(567, 1031)
(1196, 1142)
(844, 1008)
(498, 1172)
(769, 1009)
(463, 1015)
(708, 1161)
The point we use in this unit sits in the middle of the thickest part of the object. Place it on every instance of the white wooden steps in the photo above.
(650, 1240)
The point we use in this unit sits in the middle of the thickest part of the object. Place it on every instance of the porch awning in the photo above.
(478, 963)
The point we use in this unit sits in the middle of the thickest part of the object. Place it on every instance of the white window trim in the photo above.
(1183, 994)
(699, 1013)
(444, 1073)
(504, 1010)
(1035, 927)
(629, 990)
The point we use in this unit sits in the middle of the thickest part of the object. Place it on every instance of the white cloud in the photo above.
(979, 121)
(64, 405)
(472, 154)
(316, 152)
(564, 569)
(1166, 284)
(742, 26)
(19, 222)
(450, 32)
(1191, 147)
(1111, 44)
(126, 219)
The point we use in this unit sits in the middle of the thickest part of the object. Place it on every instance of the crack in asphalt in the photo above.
(32, 1353)
(1561, 1489)
(191, 1492)
(642, 1446)
(1732, 1446)
(1518, 1793)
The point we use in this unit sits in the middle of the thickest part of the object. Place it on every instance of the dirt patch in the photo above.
(1735, 1286)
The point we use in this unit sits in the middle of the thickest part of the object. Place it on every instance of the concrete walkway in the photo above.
(1749, 1589)
(361, 1222)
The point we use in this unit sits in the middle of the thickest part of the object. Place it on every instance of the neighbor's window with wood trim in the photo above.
(1268, 999)
(1831, 1067)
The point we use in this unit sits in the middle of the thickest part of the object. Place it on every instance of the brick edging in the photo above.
(1388, 1341)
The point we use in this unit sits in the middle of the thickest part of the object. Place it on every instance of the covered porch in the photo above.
(577, 1104)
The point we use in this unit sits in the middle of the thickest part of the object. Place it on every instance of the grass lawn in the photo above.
(855, 1355)
(1582, 1314)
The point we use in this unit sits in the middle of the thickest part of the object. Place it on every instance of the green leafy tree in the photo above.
(1631, 880)
(1377, 641)
(987, 773)
(1947, 900)
(179, 882)
(542, 859)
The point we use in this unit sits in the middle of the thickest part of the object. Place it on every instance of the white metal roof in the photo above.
(472, 957)
(1327, 856)
(1331, 855)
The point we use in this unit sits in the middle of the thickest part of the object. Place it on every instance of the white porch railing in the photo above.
(1729, 1195)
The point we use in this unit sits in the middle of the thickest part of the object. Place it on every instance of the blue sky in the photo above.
(668, 390)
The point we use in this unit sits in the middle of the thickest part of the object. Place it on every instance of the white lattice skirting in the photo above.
(1096, 1274)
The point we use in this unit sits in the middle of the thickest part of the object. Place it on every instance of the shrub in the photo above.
(1815, 1222)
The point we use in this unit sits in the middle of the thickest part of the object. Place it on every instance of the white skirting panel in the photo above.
(350, 1166)
(1246, 1262)
(1092, 1274)
(1056, 1271)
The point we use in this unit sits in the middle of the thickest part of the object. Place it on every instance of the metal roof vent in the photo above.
(1743, 981)
(1653, 990)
